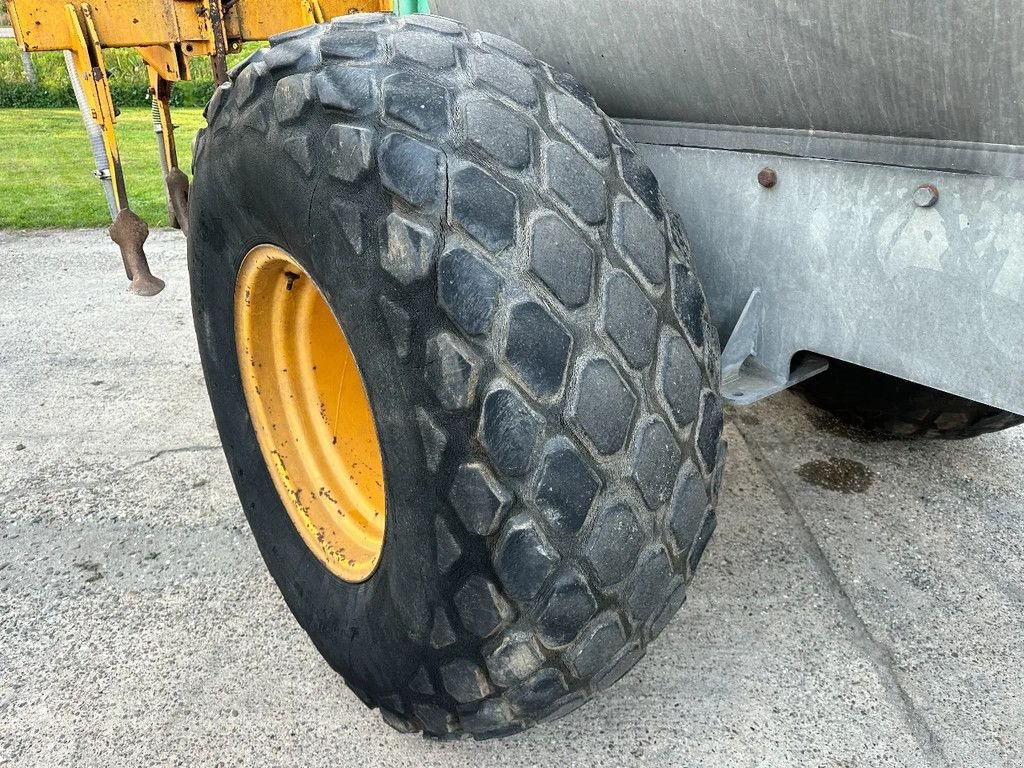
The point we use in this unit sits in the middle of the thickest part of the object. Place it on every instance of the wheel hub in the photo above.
(311, 413)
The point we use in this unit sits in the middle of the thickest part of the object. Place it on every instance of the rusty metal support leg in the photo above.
(219, 57)
(128, 230)
(158, 131)
(130, 233)
(175, 180)
(177, 194)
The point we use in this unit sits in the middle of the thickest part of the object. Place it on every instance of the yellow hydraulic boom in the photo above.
(167, 34)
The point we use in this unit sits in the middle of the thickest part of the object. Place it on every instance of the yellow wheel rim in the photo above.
(311, 413)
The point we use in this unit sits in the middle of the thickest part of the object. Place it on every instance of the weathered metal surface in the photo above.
(745, 377)
(940, 155)
(41, 25)
(949, 70)
(850, 267)
(130, 233)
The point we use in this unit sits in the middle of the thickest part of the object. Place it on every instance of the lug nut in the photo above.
(767, 178)
(926, 196)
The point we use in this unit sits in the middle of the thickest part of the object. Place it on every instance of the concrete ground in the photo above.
(862, 603)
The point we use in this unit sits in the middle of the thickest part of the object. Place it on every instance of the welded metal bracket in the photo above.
(745, 378)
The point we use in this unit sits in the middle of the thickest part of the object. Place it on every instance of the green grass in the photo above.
(129, 82)
(48, 181)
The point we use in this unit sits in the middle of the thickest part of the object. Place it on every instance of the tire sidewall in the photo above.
(448, 561)
(359, 628)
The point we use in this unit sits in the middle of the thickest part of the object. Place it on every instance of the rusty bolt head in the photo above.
(767, 178)
(926, 196)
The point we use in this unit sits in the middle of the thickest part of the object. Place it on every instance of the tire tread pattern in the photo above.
(547, 400)
(890, 407)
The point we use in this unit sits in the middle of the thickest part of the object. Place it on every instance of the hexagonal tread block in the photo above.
(679, 378)
(514, 659)
(505, 77)
(569, 606)
(573, 87)
(697, 550)
(248, 83)
(301, 36)
(523, 558)
(492, 718)
(293, 98)
(412, 170)
(350, 220)
(654, 461)
(438, 24)
(484, 208)
(509, 430)
(468, 290)
(465, 681)
(399, 325)
(562, 259)
(546, 686)
(441, 634)
(349, 152)
(499, 132)
(481, 607)
(629, 319)
(409, 254)
(348, 44)
(347, 89)
(434, 439)
(449, 550)
(421, 682)
(360, 21)
(639, 240)
(422, 105)
(451, 371)
(478, 498)
(614, 542)
(640, 179)
(577, 183)
(281, 58)
(505, 46)
(436, 720)
(424, 48)
(301, 149)
(537, 347)
(686, 511)
(650, 584)
(602, 406)
(710, 435)
(597, 645)
(565, 486)
(581, 124)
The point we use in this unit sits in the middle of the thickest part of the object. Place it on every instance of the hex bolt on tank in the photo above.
(926, 196)
(767, 178)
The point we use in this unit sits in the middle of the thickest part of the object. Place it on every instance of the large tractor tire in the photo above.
(462, 369)
(889, 407)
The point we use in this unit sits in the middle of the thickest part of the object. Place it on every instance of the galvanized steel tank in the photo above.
(950, 69)
(855, 105)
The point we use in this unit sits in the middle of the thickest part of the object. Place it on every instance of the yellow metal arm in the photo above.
(39, 25)
(91, 70)
(167, 34)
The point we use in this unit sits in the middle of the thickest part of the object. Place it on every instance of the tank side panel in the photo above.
(848, 266)
(949, 70)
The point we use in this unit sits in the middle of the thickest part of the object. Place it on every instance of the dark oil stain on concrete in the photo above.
(837, 474)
